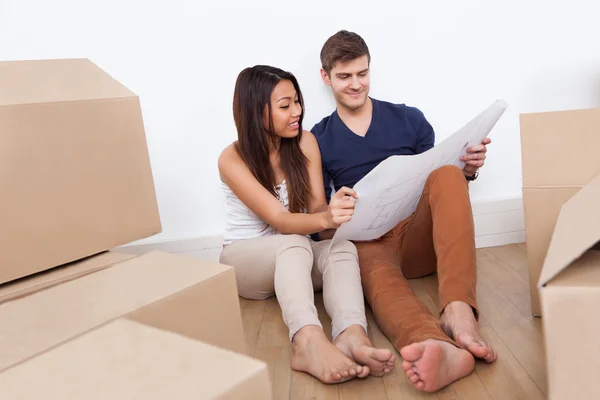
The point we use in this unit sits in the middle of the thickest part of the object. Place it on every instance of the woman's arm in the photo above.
(239, 178)
(341, 203)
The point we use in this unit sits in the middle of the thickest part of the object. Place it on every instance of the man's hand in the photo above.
(475, 157)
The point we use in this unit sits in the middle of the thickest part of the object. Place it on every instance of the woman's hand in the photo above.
(341, 208)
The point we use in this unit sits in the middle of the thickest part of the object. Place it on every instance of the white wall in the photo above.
(449, 58)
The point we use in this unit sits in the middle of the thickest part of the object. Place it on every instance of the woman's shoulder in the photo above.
(308, 142)
(227, 156)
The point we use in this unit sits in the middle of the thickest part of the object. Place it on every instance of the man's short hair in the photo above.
(343, 46)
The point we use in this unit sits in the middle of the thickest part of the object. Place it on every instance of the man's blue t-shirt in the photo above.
(396, 129)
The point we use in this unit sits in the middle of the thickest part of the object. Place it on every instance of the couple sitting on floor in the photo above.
(281, 215)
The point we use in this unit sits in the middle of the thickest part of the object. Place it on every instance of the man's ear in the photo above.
(325, 77)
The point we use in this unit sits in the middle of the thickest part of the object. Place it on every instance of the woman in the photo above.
(274, 199)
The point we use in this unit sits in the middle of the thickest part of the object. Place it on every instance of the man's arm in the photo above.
(425, 135)
(474, 158)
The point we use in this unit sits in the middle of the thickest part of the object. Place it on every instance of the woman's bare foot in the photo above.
(315, 354)
(433, 364)
(458, 321)
(355, 343)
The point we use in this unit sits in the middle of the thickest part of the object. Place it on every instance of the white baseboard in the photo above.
(499, 222)
(496, 223)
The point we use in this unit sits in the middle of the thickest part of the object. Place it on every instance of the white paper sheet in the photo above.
(390, 192)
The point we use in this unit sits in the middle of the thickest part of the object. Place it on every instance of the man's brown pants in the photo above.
(437, 237)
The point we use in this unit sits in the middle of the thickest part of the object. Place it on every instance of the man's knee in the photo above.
(446, 177)
(448, 172)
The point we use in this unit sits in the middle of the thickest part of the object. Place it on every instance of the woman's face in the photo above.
(285, 110)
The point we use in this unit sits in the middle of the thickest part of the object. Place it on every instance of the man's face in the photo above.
(349, 81)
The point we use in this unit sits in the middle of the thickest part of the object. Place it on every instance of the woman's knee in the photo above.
(297, 243)
(344, 249)
(253, 294)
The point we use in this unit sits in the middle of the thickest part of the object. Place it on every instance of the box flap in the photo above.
(43, 81)
(577, 230)
(543, 140)
(55, 276)
(127, 360)
(582, 273)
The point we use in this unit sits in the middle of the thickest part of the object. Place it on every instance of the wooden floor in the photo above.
(506, 322)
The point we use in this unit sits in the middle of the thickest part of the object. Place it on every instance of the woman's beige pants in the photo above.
(292, 267)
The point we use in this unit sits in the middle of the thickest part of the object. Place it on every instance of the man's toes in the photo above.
(491, 357)
(478, 350)
(412, 352)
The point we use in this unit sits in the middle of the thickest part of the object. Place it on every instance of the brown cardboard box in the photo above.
(187, 296)
(570, 294)
(559, 156)
(128, 360)
(42, 280)
(74, 166)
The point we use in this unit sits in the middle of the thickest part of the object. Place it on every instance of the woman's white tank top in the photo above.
(241, 222)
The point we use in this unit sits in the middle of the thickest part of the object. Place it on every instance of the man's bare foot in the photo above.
(315, 354)
(458, 322)
(433, 364)
(355, 343)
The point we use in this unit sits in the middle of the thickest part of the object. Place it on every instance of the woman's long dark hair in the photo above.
(252, 94)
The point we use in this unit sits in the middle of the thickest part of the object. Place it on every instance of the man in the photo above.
(438, 237)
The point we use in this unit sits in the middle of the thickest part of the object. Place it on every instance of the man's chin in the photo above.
(355, 105)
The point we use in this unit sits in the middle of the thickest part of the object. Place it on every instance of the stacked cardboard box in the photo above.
(126, 360)
(77, 182)
(559, 157)
(561, 175)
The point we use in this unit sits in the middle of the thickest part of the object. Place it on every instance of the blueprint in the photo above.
(391, 191)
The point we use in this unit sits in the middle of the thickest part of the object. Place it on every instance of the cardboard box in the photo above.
(127, 360)
(570, 293)
(559, 157)
(187, 296)
(74, 166)
(55, 276)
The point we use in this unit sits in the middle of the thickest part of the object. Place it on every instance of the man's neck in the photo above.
(357, 120)
(364, 112)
